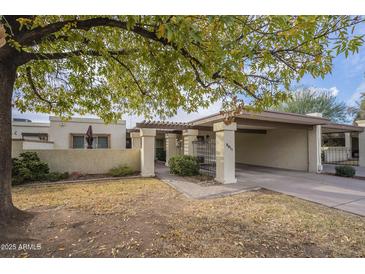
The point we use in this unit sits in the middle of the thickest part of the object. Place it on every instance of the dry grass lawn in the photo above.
(146, 218)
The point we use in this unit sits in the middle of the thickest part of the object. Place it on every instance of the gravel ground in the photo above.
(147, 218)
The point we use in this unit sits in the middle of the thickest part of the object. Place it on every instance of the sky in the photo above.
(347, 82)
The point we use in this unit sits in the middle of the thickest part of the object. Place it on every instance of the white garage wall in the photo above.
(280, 148)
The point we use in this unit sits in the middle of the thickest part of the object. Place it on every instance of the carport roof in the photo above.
(269, 116)
(258, 120)
(339, 128)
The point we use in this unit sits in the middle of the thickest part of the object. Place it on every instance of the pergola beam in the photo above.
(161, 126)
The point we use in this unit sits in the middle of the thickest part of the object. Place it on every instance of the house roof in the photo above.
(269, 116)
(256, 120)
(84, 120)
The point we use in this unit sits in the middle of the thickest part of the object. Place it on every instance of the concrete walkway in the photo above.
(196, 191)
(337, 192)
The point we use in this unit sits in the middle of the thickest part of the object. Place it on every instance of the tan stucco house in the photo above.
(62, 144)
(269, 139)
(70, 134)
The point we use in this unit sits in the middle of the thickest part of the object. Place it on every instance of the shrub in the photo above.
(345, 171)
(184, 165)
(28, 167)
(57, 176)
(121, 171)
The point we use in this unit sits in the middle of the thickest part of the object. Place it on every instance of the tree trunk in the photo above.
(7, 79)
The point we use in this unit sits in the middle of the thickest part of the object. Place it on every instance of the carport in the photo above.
(271, 139)
(266, 139)
(275, 139)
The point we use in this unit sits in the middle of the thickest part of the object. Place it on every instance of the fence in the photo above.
(205, 153)
(339, 156)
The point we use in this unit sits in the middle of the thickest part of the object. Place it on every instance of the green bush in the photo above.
(345, 171)
(56, 176)
(184, 165)
(28, 168)
(121, 171)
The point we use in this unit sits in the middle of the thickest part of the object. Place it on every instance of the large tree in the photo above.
(153, 65)
(309, 100)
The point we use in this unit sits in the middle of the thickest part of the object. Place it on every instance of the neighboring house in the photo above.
(62, 145)
(269, 139)
(58, 134)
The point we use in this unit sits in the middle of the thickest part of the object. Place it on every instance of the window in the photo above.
(78, 141)
(100, 141)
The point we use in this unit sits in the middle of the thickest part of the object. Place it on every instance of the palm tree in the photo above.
(309, 100)
(358, 111)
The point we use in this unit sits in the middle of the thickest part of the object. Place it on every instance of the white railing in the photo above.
(338, 156)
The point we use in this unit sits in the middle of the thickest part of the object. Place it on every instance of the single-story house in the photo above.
(62, 144)
(269, 139)
(58, 134)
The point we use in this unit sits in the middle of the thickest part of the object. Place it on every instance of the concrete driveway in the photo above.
(337, 192)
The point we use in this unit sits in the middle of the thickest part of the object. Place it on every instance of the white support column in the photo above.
(136, 140)
(314, 149)
(171, 148)
(361, 123)
(190, 135)
(148, 152)
(348, 145)
(348, 141)
(225, 152)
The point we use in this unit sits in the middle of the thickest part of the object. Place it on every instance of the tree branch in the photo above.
(36, 35)
(27, 56)
(281, 59)
(263, 78)
(131, 73)
(199, 79)
(245, 88)
(35, 91)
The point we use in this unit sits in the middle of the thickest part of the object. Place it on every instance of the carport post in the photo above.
(136, 140)
(190, 135)
(348, 141)
(361, 123)
(225, 152)
(171, 149)
(148, 152)
(314, 149)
